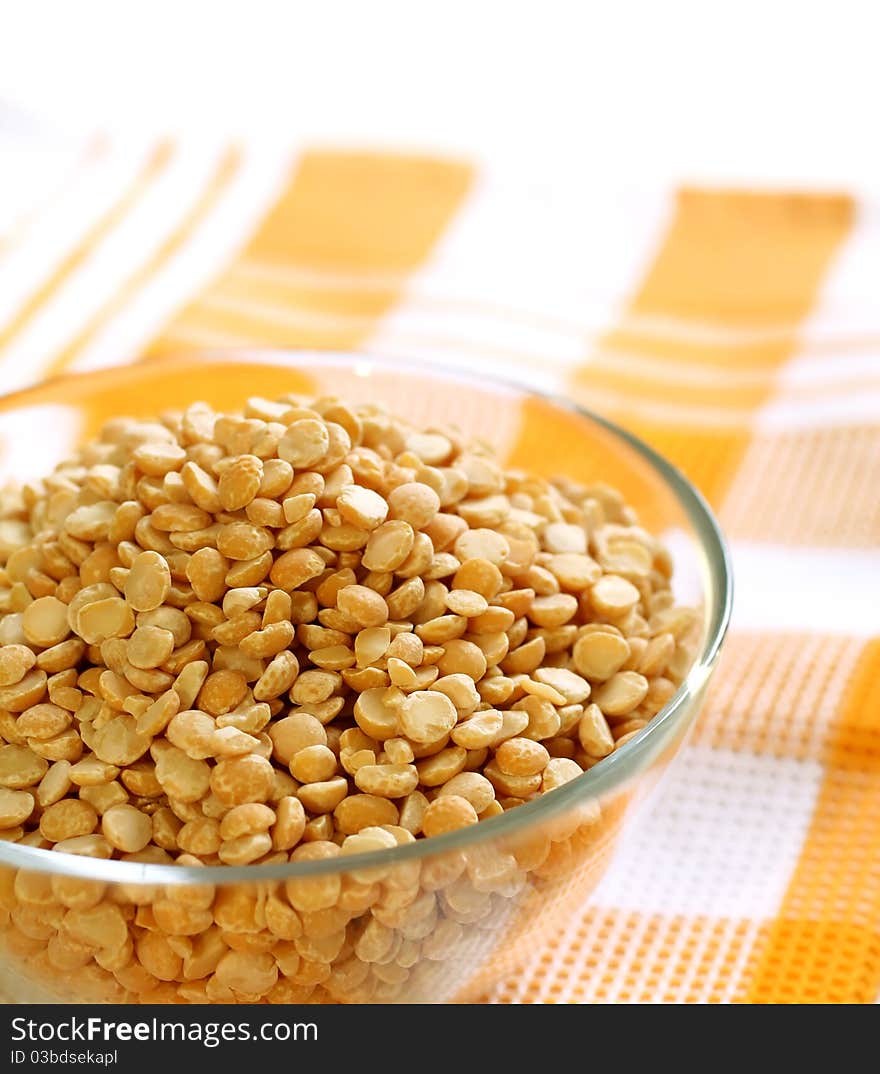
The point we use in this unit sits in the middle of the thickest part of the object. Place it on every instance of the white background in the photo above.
(761, 92)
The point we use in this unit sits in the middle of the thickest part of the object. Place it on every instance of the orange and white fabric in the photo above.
(738, 331)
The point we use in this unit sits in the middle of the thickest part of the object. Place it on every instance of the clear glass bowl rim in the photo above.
(613, 771)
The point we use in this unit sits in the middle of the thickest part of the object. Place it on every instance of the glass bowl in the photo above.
(438, 920)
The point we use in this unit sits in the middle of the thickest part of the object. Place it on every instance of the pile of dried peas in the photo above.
(312, 629)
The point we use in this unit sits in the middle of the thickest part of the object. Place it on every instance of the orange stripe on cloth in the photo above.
(740, 260)
(154, 165)
(808, 487)
(223, 175)
(824, 946)
(343, 212)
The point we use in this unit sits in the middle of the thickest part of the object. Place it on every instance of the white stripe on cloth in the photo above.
(709, 816)
(456, 354)
(806, 370)
(781, 588)
(27, 457)
(781, 414)
(145, 227)
(59, 230)
(849, 291)
(824, 411)
(569, 256)
(499, 255)
(845, 310)
(803, 372)
(214, 243)
(33, 171)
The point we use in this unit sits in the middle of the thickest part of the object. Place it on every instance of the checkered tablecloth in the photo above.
(736, 330)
